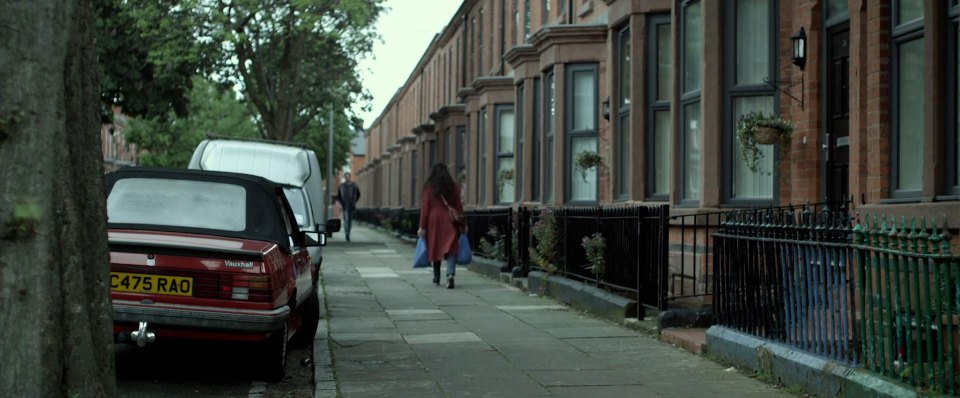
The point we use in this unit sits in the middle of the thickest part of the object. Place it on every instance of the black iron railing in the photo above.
(636, 249)
(787, 276)
(690, 268)
(406, 222)
(491, 225)
(635, 237)
(369, 215)
(409, 222)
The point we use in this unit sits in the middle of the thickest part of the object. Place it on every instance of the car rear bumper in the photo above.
(198, 317)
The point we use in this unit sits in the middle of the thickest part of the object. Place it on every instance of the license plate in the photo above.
(158, 284)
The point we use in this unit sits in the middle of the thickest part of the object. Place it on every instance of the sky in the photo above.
(406, 29)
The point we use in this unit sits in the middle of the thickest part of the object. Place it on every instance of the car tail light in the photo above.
(205, 287)
(246, 287)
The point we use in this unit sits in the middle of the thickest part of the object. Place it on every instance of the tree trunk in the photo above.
(56, 335)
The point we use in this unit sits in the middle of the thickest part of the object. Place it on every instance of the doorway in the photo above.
(836, 127)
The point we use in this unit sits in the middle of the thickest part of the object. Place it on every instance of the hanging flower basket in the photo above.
(758, 128)
(504, 177)
(767, 135)
(586, 160)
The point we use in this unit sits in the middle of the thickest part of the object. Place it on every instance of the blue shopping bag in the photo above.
(464, 253)
(420, 257)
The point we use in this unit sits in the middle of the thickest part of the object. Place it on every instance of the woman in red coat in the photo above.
(436, 225)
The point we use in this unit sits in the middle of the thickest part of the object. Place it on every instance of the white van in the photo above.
(294, 167)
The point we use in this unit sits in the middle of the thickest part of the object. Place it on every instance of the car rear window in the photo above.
(178, 203)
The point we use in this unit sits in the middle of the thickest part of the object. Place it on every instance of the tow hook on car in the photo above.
(142, 336)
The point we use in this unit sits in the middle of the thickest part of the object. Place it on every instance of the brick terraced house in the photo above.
(655, 88)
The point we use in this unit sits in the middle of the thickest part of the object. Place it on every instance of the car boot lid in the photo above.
(188, 242)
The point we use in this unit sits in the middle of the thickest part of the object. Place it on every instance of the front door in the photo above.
(836, 129)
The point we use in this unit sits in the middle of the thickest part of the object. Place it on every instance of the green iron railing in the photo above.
(908, 301)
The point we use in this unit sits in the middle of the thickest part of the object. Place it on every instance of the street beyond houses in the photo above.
(393, 333)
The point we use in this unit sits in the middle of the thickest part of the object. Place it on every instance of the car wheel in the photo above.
(310, 315)
(274, 358)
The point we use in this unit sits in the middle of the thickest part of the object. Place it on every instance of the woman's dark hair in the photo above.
(440, 180)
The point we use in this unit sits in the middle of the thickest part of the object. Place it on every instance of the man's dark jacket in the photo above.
(348, 194)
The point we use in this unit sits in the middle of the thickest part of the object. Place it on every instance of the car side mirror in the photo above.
(315, 239)
(333, 225)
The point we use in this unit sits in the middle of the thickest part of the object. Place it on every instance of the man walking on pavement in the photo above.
(348, 194)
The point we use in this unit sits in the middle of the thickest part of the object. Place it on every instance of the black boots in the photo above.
(436, 276)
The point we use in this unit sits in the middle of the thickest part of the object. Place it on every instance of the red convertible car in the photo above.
(203, 255)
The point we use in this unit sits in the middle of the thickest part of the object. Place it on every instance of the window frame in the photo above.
(527, 20)
(482, 159)
(900, 34)
(461, 151)
(549, 134)
(537, 140)
(654, 22)
(952, 185)
(514, 33)
(480, 46)
(498, 110)
(687, 98)
(448, 148)
(470, 49)
(413, 177)
(623, 137)
(569, 71)
(733, 91)
(399, 180)
(519, 139)
(838, 19)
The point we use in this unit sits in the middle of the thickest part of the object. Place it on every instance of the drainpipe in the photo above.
(570, 12)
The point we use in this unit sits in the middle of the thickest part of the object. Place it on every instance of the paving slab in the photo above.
(590, 332)
(605, 391)
(391, 389)
(423, 327)
(581, 377)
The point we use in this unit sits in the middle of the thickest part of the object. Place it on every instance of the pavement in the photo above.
(390, 332)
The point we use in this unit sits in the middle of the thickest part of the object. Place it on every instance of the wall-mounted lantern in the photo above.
(799, 48)
(606, 108)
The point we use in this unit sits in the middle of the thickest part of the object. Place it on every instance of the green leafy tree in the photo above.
(317, 135)
(291, 60)
(149, 52)
(296, 59)
(170, 141)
